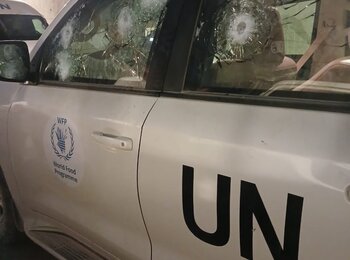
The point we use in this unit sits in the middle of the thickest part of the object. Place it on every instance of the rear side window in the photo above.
(21, 27)
(280, 48)
(107, 41)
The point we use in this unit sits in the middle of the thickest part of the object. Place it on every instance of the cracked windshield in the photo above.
(109, 43)
(272, 48)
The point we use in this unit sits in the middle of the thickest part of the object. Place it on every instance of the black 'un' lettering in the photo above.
(221, 236)
(5, 6)
(252, 204)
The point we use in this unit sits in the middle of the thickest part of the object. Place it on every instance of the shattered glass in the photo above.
(243, 29)
(271, 48)
(108, 42)
(236, 42)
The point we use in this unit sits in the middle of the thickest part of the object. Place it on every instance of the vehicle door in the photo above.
(75, 136)
(8, 92)
(244, 157)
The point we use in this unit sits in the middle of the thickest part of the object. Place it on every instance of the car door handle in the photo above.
(114, 142)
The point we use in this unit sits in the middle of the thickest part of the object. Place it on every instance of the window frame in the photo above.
(176, 75)
(156, 61)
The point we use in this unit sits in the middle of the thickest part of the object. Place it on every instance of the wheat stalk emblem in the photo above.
(61, 142)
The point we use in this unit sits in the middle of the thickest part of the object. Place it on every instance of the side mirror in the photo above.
(14, 61)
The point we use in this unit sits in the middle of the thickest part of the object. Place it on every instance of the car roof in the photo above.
(15, 7)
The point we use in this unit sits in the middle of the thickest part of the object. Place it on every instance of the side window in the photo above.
(284, 48)
(107, 41)
(39, 25)
(21, 27)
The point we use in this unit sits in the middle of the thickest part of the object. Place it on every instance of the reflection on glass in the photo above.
(272, 47)
(12, 65)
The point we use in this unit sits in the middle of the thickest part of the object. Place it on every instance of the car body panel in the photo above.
(281, 151)
(8, 94)
(101, 170)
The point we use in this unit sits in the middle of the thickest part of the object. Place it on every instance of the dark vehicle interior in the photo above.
(21, 27)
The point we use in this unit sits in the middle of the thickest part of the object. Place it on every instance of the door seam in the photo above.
(137, 176)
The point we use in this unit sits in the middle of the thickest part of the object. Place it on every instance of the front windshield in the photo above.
(21, 27)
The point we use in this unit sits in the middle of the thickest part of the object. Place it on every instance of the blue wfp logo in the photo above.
(62, 139)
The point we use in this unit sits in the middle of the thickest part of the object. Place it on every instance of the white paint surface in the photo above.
(49, 9)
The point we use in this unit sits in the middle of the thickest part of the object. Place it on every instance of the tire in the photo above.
(8, 230)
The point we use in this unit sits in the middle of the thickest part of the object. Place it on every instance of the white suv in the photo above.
(180, 129)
